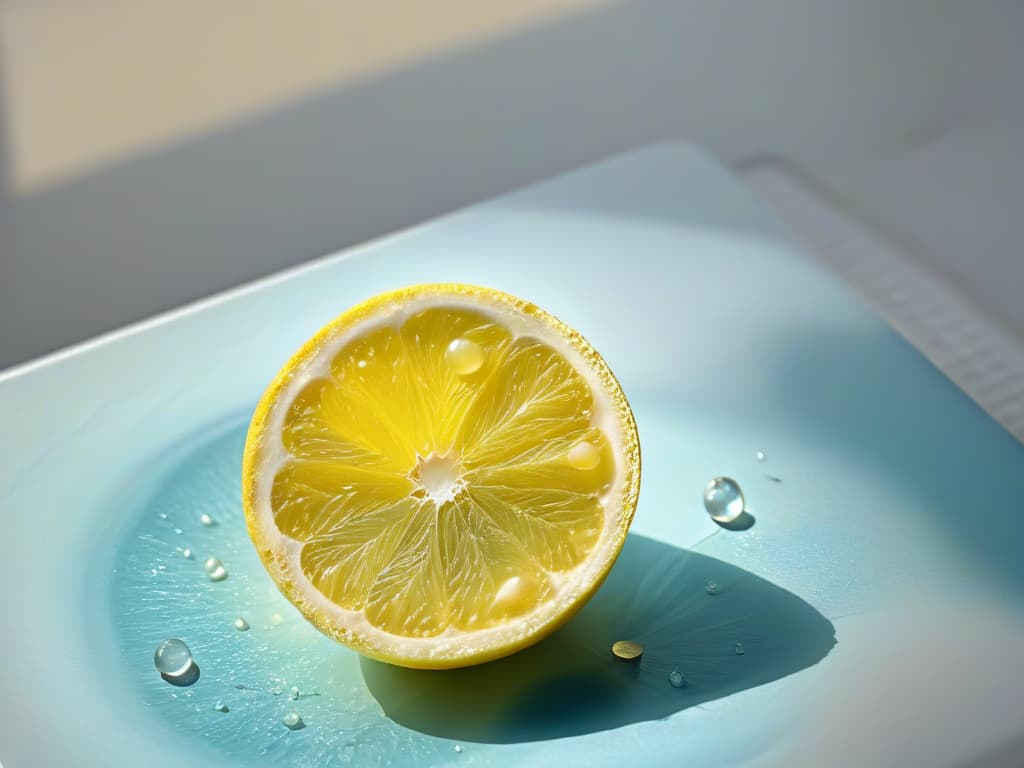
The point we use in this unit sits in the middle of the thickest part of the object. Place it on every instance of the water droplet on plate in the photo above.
(187, 553)
(760, 456)
(465, 357)
(584, 455)
(458, 748)
(723, 499)
(173, 659)
(676, 679)
(712, 587)
(294, 693)
(293, 720)
(740, 650)
(220, 706)
(205, 519)
(241, 624)
(215, 569)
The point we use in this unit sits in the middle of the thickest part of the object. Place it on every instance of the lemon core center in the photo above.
(438, 477)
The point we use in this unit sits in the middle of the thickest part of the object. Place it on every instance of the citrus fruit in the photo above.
(441, 476)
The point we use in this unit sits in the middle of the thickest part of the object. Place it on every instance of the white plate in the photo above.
(895, 524)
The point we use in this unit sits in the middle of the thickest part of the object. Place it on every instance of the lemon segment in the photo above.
(441, 476)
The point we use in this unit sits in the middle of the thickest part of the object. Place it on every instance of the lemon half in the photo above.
(441, 476)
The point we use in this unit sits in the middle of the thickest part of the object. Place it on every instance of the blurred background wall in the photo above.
(156, 152)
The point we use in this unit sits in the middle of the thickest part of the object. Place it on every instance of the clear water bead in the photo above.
(676, 679)
(173, 658)
(465, 357)
(220, 706)
(760, 456)
(294, 693)
(584, 455)
(205, 519)
(293, 720)
(215, 569)
(740, 650)
(187, 553)
(458, 748)
(723, 499)
(712, 587)
(241, 624)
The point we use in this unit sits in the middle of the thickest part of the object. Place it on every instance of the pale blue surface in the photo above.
(726, 341)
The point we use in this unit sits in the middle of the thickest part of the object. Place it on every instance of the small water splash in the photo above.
(723, 499)
(215, 569)
(173, 660)
(173, 657)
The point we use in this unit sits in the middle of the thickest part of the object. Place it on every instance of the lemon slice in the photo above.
(441, 476)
